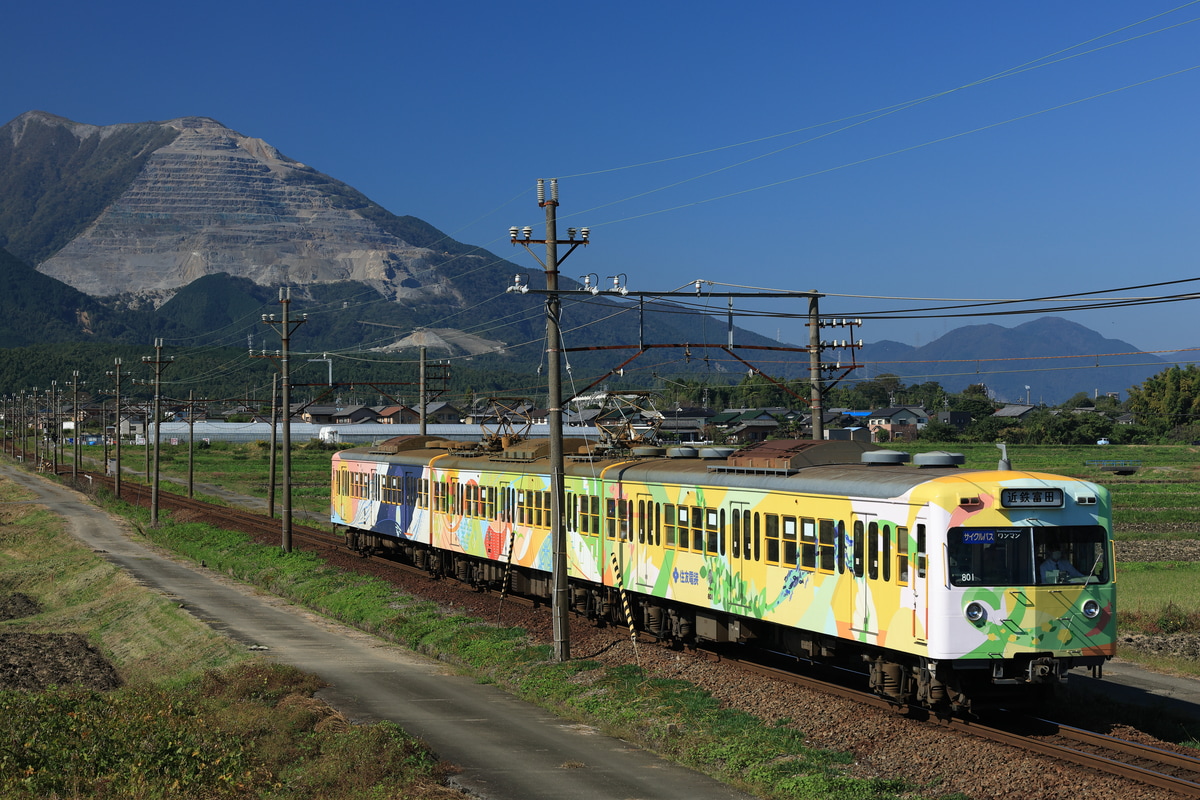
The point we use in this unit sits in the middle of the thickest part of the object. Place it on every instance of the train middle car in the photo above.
(937, 578)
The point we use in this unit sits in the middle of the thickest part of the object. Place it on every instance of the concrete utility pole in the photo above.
(159, 363)
(286, 326)
(560, 598)
(814, 369)
(191, 442)
(117, 427)
(423, 399)
(274, 445)
(55, 427)
(75, 424)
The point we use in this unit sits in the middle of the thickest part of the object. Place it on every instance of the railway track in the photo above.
(1153, 766)
(1164, 769)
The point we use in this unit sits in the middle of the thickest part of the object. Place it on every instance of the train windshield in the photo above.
(1028, 556)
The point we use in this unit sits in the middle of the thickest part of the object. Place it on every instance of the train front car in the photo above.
(1021, 585)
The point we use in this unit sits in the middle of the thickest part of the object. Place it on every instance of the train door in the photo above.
(647, 544)
(917, 568)
(865, 572)
(740, 555)
(404, 493)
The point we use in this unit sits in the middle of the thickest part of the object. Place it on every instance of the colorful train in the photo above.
(956, 588)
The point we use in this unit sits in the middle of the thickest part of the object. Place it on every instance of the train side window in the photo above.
(808, 543)
(697, 529)
(595, 515)
(921, 550)
(902, 545)
(657, 526)
(624, 512)
(736, 533)
(887, 552)
(749, 552)
(757, 539)
(873, 551)
(641, 522)
(859, 536)
(423, 493)
(772, 534)
(841, 546)
(791, 548)
(669, 523)
(712, 533)
(610, 515)
(827, 536)
(721, 524)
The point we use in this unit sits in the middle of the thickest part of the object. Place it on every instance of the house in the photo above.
(354, 415)
(395, 415)
(442, 413)
(856, 434)
(1016, 411)
(319, 415)
(685, 423)
(957, 419)
(754, 425)
(900, 423)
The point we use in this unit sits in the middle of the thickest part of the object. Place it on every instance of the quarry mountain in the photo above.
(186, 229)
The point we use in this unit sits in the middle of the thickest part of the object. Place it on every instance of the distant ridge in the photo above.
(1007, 360)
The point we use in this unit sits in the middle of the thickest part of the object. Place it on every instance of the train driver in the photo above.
(1057, 569)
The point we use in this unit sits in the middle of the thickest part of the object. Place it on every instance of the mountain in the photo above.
(1048, 360)
(202, 225)
(188, 229)
(36, 309)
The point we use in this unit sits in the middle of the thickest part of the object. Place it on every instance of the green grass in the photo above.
(671, 717)
(197, 716)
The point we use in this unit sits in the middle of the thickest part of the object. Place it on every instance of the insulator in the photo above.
(512, 233)
(541, 190)
(554, 189)
(528, 231)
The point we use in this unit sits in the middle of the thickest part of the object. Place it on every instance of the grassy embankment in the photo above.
(671, 717)
(196, 718)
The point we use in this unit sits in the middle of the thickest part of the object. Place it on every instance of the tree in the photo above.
(939, 432)
(1168, 400)
(1079, 400)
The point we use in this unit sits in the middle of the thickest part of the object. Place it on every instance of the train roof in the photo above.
(829, 467)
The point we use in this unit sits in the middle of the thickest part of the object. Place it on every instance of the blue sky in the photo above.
(773, 145)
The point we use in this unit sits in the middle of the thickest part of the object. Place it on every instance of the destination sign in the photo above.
(1031, 498)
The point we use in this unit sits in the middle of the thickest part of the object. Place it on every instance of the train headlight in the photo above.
(1091, 609)
(976, 613)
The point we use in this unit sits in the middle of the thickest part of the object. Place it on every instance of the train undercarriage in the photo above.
(901, 678)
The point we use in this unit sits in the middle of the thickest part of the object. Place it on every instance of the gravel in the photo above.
(883, 744)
